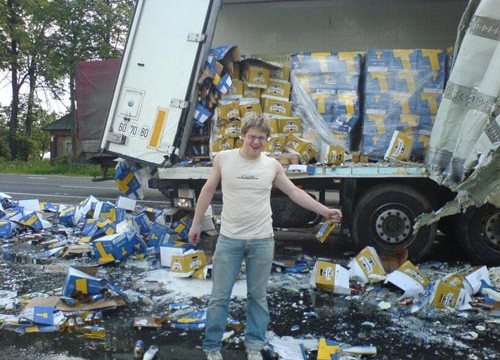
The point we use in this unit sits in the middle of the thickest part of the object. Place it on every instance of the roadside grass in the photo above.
(43, 167)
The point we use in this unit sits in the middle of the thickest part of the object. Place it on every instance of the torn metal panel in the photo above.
(483, 186)
(463, 149)
(470, 100)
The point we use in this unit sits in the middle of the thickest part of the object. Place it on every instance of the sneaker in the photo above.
(254, 355)
(214, 355)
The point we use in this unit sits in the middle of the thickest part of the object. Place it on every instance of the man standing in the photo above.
(246, 233)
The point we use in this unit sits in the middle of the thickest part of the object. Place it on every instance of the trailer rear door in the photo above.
(166, 47)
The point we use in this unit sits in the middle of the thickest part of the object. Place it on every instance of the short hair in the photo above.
(253, 120)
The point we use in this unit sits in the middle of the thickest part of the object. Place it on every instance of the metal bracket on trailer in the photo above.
(196, 37)
(116, 138)
(180, 104)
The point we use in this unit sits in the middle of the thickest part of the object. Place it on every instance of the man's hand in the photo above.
(333, 214)
(194, 234)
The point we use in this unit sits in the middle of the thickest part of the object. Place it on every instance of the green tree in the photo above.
(37, 45)
(12, 25)
(87, 31)
(112, 20)
(26, 26)
(41, 41)
(38, 142)
(40, 137)
(4, 130)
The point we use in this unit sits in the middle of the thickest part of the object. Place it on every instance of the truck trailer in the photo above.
(158, 119)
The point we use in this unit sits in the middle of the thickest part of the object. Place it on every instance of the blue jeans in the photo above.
(228, 257)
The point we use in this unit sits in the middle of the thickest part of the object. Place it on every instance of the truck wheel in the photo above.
(166, 192)
(287, 214)
(384, 217)
(479, 234)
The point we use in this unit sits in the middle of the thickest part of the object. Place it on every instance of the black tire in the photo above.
(384, 218)
(447, 225)
(287, 214)
(478, 231)
(166, 192)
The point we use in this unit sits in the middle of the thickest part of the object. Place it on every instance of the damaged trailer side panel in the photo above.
(467, 158)
(165, 45)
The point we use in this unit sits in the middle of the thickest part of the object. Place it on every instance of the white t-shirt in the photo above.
(246, 195)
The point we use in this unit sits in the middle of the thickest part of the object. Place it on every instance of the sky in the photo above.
(47, 101)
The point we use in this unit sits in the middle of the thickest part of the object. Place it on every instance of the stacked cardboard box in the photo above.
(402, 92)
(214, 82)
(332, 82)
(262, 88)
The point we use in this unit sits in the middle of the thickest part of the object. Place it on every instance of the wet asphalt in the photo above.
(297, 311)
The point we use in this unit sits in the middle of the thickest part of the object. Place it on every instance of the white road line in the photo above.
(88, 187)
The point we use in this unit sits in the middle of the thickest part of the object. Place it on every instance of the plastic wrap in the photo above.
(325, 95)
(402, 92)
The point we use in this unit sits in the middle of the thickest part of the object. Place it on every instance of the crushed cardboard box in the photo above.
(409, 278)
(186, 264)
(366, 266)
(330, 277)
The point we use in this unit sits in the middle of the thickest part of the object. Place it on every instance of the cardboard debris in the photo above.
(168, 250)
(446, 296)
(29, 204)
(409, 278)
(295, 266)
(110, 248)
(469, 279)
(7, 298)
(147, 322)
(327, 349)
(186, 264)
(79, 283)
(160, 234)
(53, 313)
(331, 277)
(56, 302)
(366, 267)
(92, 332)
(44, 315)
(76, 249)
(203, 273)
(177, 310)
(55, 269)
(126, 203)
(193, 320)
(392, 261)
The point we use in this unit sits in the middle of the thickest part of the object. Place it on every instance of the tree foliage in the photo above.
(41, 41)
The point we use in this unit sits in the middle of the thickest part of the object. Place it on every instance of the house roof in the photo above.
(63, 123)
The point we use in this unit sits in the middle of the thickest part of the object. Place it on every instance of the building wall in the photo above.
(60, 145)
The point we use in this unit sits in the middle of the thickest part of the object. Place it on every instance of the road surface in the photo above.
(68, 189)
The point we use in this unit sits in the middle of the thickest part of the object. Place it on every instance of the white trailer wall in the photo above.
(259, 27)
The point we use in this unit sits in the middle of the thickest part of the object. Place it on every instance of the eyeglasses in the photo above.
(254, 137)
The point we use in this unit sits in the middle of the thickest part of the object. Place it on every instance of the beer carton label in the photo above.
(469, 279)
(325, 230)
(366, 267)
(447, 296)
(409, 279)
(330, 277)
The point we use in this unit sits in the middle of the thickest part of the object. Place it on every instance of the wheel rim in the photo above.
(393, 225)
(491, 229)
